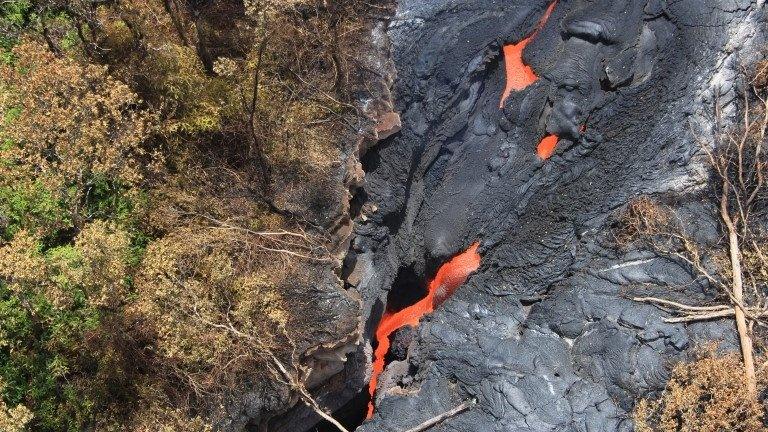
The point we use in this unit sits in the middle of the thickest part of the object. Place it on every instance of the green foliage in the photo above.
(30, 206)
(14, 17)
(15, 13)
(10, 115)
(195, 102)
(110, 200)
(37, 353)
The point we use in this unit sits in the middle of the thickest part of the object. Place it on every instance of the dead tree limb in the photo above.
(442, 417)
(292, 379)
(676, 305)
(745, 341)
(298, 386)
(738, 162)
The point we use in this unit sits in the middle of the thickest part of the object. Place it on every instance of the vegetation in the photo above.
(707, 395)
(158, 160)
(710, 394)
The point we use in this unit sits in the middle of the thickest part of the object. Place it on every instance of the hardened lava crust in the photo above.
(544, 335)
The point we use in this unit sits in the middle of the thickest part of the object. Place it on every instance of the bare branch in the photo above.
(434, 421)
(681, 306)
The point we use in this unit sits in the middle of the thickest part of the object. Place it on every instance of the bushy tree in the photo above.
(71, 143)
(158, 161)
(52, 305)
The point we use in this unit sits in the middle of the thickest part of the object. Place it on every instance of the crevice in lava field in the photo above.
(407, 289)
(448, 278)
(351, 415)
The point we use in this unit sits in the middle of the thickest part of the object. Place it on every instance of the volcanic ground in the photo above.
(599, 103)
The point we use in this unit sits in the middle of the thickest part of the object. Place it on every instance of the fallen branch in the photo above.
(689, 313)
(680, 306)
(701, 316)
(444, 416)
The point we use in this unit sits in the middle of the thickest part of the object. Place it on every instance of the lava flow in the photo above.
(520, 75)
(547, 146)
(448, 278)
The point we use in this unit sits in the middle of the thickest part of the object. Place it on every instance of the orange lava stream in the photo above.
(520, 75)
(448, 278)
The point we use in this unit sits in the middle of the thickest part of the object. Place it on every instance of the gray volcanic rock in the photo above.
(545, 336)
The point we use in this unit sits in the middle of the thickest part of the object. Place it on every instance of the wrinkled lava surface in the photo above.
(543, 335)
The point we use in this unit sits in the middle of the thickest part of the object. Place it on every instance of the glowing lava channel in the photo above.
(520, 75)
(448, 278)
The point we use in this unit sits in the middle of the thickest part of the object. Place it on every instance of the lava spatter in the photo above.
(547, 146)
(448, 278)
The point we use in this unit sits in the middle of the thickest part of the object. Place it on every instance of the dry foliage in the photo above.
(642, 219)
(67, 124)
(220, 122)
(193, 286)
(707, 395)
(14, 419)
(273, 83)
(159, 415)
(212, 292)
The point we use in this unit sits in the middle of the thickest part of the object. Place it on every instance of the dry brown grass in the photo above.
(643, 217)
(707, 395)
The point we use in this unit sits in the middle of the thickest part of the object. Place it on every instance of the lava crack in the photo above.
(448, 278)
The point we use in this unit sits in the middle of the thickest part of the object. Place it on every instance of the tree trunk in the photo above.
(737, 288)
(741, 321)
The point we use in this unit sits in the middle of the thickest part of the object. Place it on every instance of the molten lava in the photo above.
(547, 146)
(448, 278)
(519, 74)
